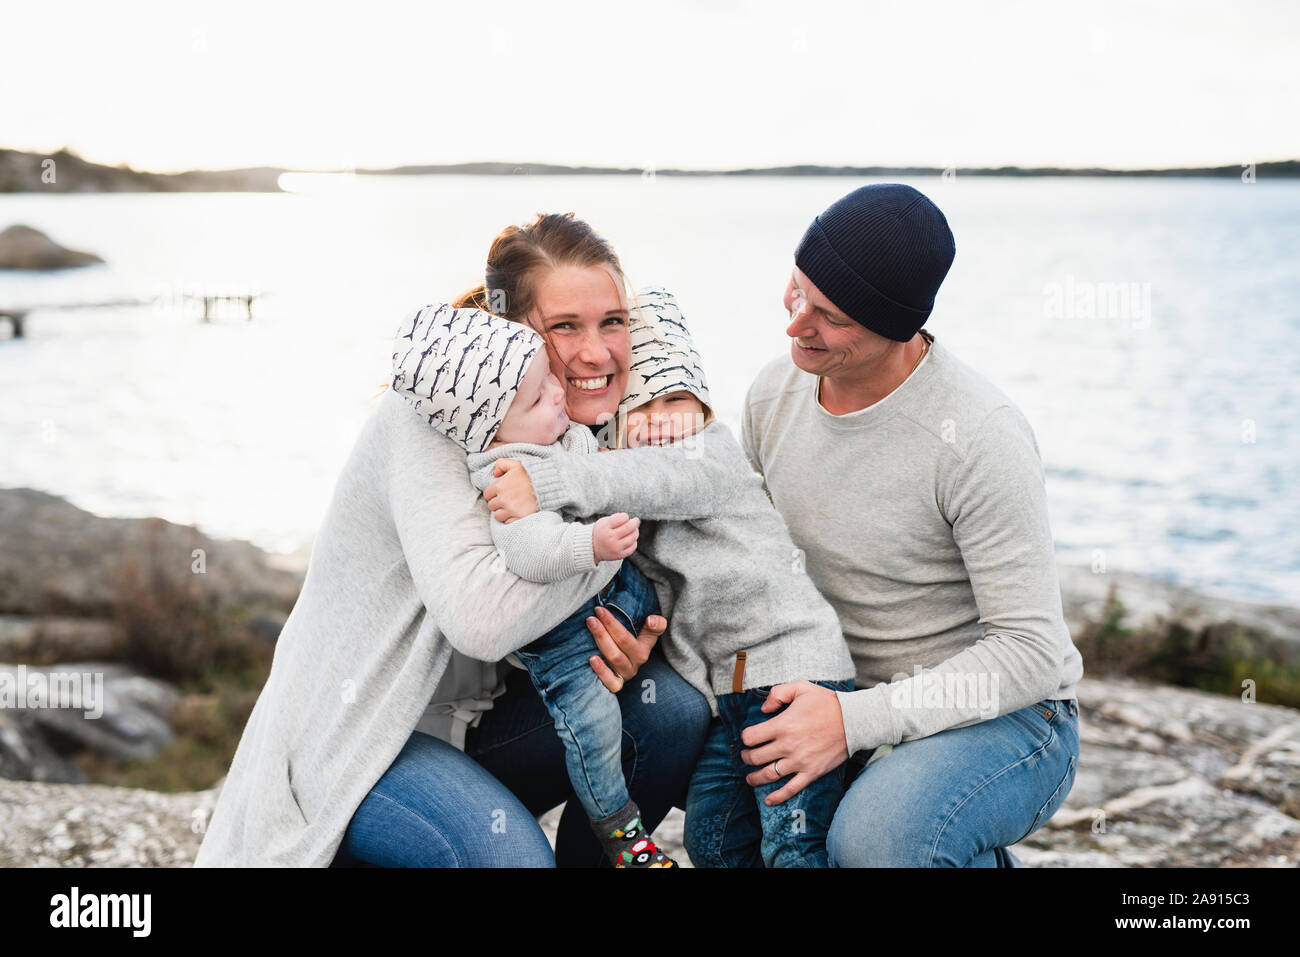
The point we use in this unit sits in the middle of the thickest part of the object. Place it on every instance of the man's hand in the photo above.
(511, 496)
(623, 654)
(806, 739)
(614, 537)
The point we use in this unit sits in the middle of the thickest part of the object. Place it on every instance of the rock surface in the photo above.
(1170, 777)
(59, 558)
(22, 247)
(1152, 604)
(1167, 777)
(67, 825)
(118, 714)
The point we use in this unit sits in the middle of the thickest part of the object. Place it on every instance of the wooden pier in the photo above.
(17, 316)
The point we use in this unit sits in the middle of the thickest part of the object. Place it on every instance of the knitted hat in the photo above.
(461, 368)
(879, 254)
(663, 359)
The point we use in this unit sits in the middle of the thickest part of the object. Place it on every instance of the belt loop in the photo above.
(738, 676)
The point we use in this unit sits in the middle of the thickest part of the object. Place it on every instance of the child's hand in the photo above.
(614, 537)
(511, 496)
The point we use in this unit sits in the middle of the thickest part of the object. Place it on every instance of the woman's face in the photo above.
(582, 315)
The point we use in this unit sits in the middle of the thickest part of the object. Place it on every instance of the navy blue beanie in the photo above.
(880, 255)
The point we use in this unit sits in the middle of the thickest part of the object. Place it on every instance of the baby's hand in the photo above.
(614, 537)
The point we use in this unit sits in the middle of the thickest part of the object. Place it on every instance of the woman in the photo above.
(382, 737)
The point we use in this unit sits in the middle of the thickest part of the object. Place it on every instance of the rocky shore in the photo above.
(179, 627)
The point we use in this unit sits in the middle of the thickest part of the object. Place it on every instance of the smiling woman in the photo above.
(438, 752)
(557, 276)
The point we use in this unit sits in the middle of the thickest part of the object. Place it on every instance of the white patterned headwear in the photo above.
(663, 359)
(461, 368)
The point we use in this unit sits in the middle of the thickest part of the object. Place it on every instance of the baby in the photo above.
(485, 383)
(743, 614)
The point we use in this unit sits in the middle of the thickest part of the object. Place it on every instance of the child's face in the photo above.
(536, 413)
(664, 419)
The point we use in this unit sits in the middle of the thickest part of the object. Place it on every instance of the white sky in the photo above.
(693, 84)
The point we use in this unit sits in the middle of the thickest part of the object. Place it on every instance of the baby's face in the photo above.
(664, 419)
(536, 413)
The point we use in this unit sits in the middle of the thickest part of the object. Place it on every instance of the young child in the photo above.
(743, 615)
(485, 383)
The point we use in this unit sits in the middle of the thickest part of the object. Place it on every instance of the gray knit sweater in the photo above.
(728, 577)
(545, 546)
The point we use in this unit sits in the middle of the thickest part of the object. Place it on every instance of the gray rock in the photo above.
(1170, 777)
(131, 721)
(1152, 604)
(60, 559)
(25, 756)
(22, 247)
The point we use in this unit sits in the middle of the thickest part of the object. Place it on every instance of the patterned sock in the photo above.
(626, 841)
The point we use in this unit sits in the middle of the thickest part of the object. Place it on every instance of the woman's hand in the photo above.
(806, 739)
(621, 653)
(511, 496)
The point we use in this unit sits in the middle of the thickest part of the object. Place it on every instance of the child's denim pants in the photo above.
(727, 823)
(587, 715)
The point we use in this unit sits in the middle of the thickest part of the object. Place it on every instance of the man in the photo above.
(915, 491)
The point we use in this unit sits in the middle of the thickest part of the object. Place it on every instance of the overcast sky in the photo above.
(718, 84)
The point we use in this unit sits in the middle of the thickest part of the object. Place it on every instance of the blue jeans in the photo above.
(587, 715)
(961, 797)
(727, 823)
(439, 807)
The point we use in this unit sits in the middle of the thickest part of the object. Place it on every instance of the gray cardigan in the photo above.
(403, 571)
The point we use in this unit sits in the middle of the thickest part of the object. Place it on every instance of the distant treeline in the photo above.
(1285, 168)
(64, 171)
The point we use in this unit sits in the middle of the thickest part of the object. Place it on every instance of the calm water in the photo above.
(1147, 329)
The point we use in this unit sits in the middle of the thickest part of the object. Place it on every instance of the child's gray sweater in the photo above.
(730, 582)
(546, 546)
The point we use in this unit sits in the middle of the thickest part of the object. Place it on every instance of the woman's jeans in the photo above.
(588, 718)
(958, 798)
(727, 823)
(439, 807)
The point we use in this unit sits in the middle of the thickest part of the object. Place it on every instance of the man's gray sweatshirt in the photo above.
(728, 576)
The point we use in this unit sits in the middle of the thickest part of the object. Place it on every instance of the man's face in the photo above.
(827, 342)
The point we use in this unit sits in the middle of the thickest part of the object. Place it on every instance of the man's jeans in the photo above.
(586, 713)
(727, 823)
(961, 797)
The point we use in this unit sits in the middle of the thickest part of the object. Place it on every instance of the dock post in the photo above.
(16, 321)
